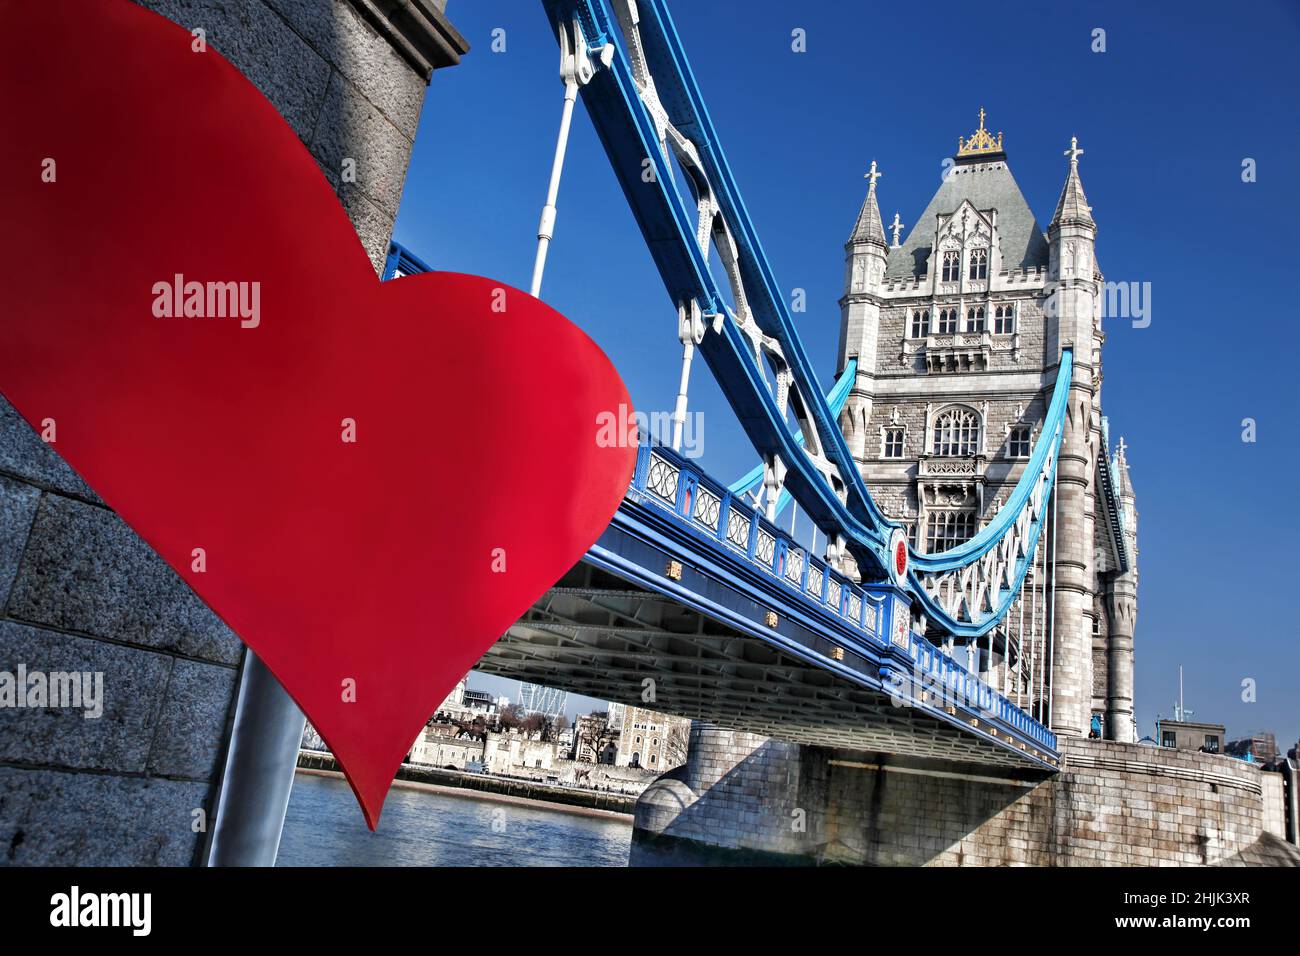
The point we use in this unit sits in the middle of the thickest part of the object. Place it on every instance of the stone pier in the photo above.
(742, 798)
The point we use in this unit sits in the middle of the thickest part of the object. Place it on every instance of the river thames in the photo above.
(324, 827)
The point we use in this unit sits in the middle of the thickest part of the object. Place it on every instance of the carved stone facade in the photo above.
(958, 334)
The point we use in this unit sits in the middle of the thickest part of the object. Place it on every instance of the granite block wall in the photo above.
(743, 797)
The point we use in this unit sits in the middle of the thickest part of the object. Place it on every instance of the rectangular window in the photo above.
(1018, 443)
(893, 443)
(1211, 744)
(1168, 739)
(947, 529)
(920, 324)
(1004, 320)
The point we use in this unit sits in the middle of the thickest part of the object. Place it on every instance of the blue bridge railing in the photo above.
(731, 523)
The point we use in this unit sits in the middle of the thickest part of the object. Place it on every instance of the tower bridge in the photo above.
(920, 688)
(694, 588)
(948, 678)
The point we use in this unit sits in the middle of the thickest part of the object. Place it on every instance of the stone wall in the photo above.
(79, 591)
(747, 798)
(1274, 800)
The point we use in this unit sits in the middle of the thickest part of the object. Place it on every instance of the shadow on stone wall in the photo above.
(783, 804)
(743, 799)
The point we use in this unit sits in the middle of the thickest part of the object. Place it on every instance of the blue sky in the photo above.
(1165, 115)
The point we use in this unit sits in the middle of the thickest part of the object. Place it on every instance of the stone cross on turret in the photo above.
(873, 174)
(896, 227)
(1074, 152)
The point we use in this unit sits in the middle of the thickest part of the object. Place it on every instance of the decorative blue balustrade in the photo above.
(732, 525)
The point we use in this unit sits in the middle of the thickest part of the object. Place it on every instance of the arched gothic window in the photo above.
(920, 323)
(951, 266)
(979, 264)
(948, 321)
(957, 432)
(975, 319)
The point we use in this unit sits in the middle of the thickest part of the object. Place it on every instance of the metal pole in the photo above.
(546, 228)
(260, 762)
(1051, 647)
(1020, 638)
(1042, 654)
(679, 411)
(1033, 630)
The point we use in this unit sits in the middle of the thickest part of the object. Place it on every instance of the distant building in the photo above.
(615, 714)
(652, 740)
(1191, 735)
(456, 698)
(311, 740)
(506, 752)
(594, 740)
(463, 704)
(480, 702)
(548, 701)
(1261, 745)
(439, 748)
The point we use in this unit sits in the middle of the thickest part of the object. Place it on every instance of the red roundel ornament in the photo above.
(898, 555)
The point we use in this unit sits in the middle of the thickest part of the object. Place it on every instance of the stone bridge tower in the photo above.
(958, 331)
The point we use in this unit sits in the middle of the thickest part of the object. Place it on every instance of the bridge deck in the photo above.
(726, 636)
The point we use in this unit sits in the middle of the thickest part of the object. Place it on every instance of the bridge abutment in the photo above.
(742, 798)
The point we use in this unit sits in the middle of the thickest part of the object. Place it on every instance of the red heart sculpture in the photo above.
(386, 565)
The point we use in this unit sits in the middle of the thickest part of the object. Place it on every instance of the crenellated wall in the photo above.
(744, 798)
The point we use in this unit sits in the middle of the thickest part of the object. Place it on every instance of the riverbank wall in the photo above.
(494, 784)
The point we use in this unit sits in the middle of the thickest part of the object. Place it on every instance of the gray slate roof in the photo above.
(868, 227)
(1073, 204)
(1023, 243)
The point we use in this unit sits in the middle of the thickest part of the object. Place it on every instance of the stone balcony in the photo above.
(958, 352)
(959, 469)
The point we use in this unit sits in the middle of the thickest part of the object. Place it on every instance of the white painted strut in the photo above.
(576, 69)
(690, 331)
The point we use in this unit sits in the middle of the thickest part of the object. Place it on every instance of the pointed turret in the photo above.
(1123, 483)
(865, 256)
(1072, 208)
(1070, 313)
(869, 227)
(1121, 594)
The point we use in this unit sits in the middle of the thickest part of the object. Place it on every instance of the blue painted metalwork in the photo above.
(401, 261)
(689, 517)
(630, 135)
(685, 513)
(835, 399)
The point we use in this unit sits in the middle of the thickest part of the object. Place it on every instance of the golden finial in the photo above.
(981, 141)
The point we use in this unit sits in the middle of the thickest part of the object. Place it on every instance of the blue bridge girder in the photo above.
(648, 112)
(735, 623)
(691, 588)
